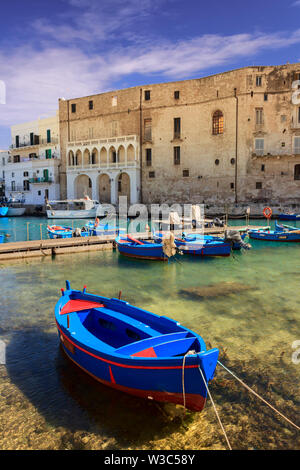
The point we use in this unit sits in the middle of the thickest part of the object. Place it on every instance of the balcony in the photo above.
(40, 180)
(38, 142)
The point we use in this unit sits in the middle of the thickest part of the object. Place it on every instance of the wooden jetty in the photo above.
(48, 247)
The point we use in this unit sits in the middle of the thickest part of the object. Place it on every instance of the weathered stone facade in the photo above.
(230, 137)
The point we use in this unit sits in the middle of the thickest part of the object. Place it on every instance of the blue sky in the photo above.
(70, 48)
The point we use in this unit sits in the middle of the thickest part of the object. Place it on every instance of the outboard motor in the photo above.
(234, 237)
(77, 232)
(218, 222)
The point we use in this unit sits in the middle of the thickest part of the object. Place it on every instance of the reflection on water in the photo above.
(246, 305)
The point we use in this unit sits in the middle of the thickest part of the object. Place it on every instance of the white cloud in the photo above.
(296, 4)
(36, 78)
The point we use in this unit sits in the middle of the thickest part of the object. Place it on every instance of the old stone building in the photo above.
(230, 137)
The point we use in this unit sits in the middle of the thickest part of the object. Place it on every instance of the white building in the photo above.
(32, 170)
(4, 156)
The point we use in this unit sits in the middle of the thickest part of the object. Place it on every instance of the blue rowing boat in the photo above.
(275, 236)
(142, 249)
(291, 216)
(1, 238)
(237, 239)
(103, 229)
(3, 211)
(133, 350)
(284, 228)
(55, 231)
(197, 245)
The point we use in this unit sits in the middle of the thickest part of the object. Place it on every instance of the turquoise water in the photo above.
(35, 228)
(247, 305)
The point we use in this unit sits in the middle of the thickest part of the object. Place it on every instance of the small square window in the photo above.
(73, 108)
(147, 95)
(263, 168)
(91, 104)
(258, 185)
(232, 185)
(176, 95)
(186, 173)
(151, 174)
(266, 97)
(39, 193)
(149, 157)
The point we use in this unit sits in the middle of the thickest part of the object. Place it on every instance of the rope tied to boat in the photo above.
(215, 409)
(258, 396)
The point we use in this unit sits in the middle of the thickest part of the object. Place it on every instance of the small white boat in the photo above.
(15, 211)
(73, 209)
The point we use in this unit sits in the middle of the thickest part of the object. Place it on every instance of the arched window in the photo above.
(218, 123)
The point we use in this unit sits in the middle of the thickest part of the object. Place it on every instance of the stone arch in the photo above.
(94, 156)
(71, 158)
(130, 153)
(82, 186)
(113, 158)
(121, 154)
(123, 186)
(104, 185)
(86, 157)
(103, 156)
(78, 158)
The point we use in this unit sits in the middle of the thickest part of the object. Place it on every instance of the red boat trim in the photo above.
(193, 401)
(126, 366)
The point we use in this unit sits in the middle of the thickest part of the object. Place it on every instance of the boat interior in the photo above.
(109, 330)
(134, 338)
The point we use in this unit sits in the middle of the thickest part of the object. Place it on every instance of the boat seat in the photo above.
(163, 348)
(129, 349)
(131, 322)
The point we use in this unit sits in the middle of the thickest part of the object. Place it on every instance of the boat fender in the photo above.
(96, 222)
(267, 212)
(62, 291)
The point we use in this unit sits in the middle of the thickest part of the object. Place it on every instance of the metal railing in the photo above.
(35, 143)
(40, 180)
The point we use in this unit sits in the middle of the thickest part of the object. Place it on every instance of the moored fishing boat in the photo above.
(73, 209)
(234, 237)
(289, 216)
(133, 350)
(275, 236)
(15, 211)
(203, 247)
(3, 211)
(96, 228)
(57, 231)
(142, 249)
(284, 228)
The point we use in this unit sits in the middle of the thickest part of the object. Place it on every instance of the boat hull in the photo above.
(207, 249)
(1, 238)
(15, 211)
(149, 251)
(3, 211)
(289, 216)
(80, 214)
(138, 367)
(275, 236)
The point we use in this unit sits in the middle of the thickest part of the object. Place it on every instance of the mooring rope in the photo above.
(216, 411)
(258, 396)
